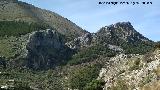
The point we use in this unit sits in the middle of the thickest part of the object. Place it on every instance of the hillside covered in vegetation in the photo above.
(41, 50)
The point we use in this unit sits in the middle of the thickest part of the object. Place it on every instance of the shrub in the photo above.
(81, 77)
(157, 45)
(120, 85)
(135, 65)
(95, 85)
(91, 54)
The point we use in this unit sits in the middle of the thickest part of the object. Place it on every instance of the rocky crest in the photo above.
(121, 30)
(115, 48)
(83, 41)
(124, 36)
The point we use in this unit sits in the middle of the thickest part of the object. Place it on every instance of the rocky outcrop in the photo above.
(122, 31)
(82, 41)
(131, 71)
(46, 49)
(123, 35)
(115, 48)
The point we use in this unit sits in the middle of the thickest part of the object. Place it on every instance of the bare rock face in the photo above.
(115, 48)
(82, 41)
(48, 38)
(46, 49)
(43, 49)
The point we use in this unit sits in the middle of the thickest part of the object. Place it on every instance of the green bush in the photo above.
(81, 77)
(95, 85)
(157, 45)
(120, 85)
(135, 65)
(22, 86)
(90, 54)
(24, 79)
(137, 47)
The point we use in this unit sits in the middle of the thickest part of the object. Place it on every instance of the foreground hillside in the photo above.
(43, 59)
(129, 72)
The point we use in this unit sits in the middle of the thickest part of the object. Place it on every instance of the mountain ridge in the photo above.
(20, 11)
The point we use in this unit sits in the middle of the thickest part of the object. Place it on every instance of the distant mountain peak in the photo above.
(122, 30)
(123, 23)
(120, 25)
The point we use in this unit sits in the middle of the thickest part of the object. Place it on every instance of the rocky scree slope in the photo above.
(132, 72)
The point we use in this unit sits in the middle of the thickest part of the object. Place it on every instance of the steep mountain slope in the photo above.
(19, 11)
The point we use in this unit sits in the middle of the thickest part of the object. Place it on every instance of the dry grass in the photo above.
(152, 86)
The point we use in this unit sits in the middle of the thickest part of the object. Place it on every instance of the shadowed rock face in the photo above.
(46, 49)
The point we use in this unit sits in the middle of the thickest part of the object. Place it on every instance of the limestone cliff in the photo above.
(46, 49)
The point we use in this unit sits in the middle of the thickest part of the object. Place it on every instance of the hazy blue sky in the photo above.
(91, 16)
